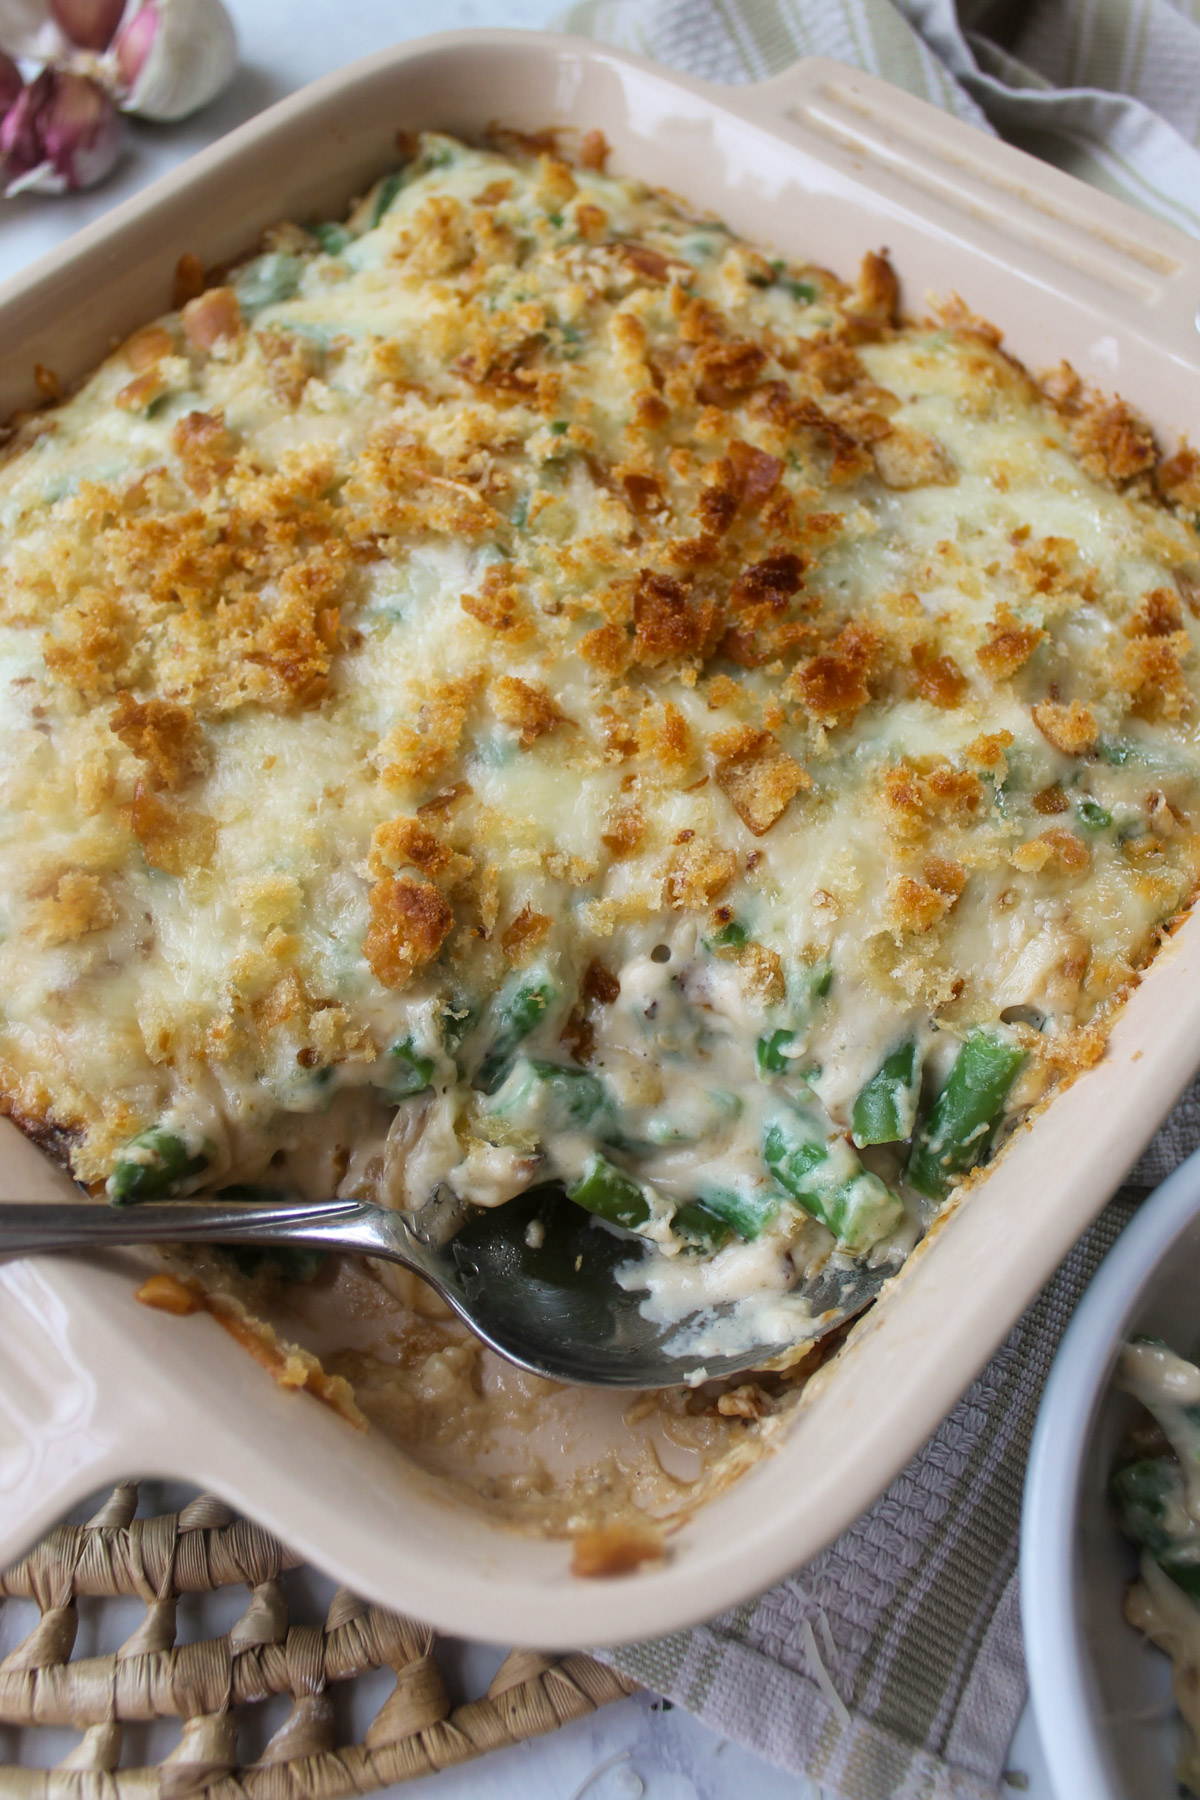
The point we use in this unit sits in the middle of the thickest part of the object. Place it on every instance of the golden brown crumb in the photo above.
(906, 458)
(188, 282)
(946, 877)
(166, 737)
(878, 294)
(1113, 443)
(762, 972)
(525, 706)
(410, 921)
(172, 839)
(212, 319)
(666, 623)
(1055, 852)
(915, 905)
(1051, 800)
(758, 776)
(1009, 644)
(498, 602)
(147, 347)
(835, 684)
(139, 393)
(698, 872)
(937, 679)
(405, 840)
(987, 751)
(615, 1550)
(79, 905)
(1150, 671)
(593, 151)
(47, 382)
(166, 1293)
(1071, 729)
(607, 648)
(524, 934)
(624, 832)
(292, 360)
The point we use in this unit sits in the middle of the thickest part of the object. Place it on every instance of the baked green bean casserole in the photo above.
(522, 686)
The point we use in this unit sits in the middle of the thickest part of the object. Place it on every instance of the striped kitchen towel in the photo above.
(890, 1668)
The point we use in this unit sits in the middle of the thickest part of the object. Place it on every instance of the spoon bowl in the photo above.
(535, 1279)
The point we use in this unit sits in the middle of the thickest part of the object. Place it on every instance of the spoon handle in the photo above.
(29, 1227)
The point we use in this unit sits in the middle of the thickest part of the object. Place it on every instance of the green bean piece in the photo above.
(408, 1071)
(152, 1166)
(551, 1097)
(961, 1127)
(290, 1262)
(577, 1095)
(747, 1210)
(608, 1192)
(695, 1221)
(1115, 751)
(1151, 1505)
(385, 196)
(267, 280)
(828, 1180)
(457, 1019)
(703, 1114)
(516, 1013)
(1093, 816)
(770, 1053)
(820, 979)
(333, 239)
(886, 1109)
(730, 936)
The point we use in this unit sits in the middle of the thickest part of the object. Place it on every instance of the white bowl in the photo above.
(1101, 1694)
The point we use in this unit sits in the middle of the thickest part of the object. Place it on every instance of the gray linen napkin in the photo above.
(891, 1667)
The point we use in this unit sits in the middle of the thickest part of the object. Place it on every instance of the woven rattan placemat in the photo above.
(215, 1684)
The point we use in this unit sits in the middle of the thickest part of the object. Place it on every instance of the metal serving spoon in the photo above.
(545, 1298)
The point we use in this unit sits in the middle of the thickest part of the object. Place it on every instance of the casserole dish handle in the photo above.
(77, 1409)
(983, 192)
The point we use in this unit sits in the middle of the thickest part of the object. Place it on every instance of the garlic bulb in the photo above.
(62, 133)
(88, 24)
(174, 56)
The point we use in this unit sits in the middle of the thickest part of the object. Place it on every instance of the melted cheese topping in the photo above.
(555, 692)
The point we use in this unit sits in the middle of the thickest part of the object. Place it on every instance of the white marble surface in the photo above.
(634, 1749)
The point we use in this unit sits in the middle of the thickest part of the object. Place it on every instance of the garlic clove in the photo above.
(174, 56)
(88, 24)
(62, 134)
(26, 29)
(11, 83)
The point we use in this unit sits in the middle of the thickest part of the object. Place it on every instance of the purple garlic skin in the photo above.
(173, 56)
(11, 83)
(62, 134)
(88, 24)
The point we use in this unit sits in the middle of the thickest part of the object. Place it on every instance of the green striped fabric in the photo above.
(891, 1667)
(1107, 89)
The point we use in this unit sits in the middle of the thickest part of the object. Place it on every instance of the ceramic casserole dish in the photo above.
(821, 162)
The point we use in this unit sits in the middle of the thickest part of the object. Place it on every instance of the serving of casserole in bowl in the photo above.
(532, 678)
